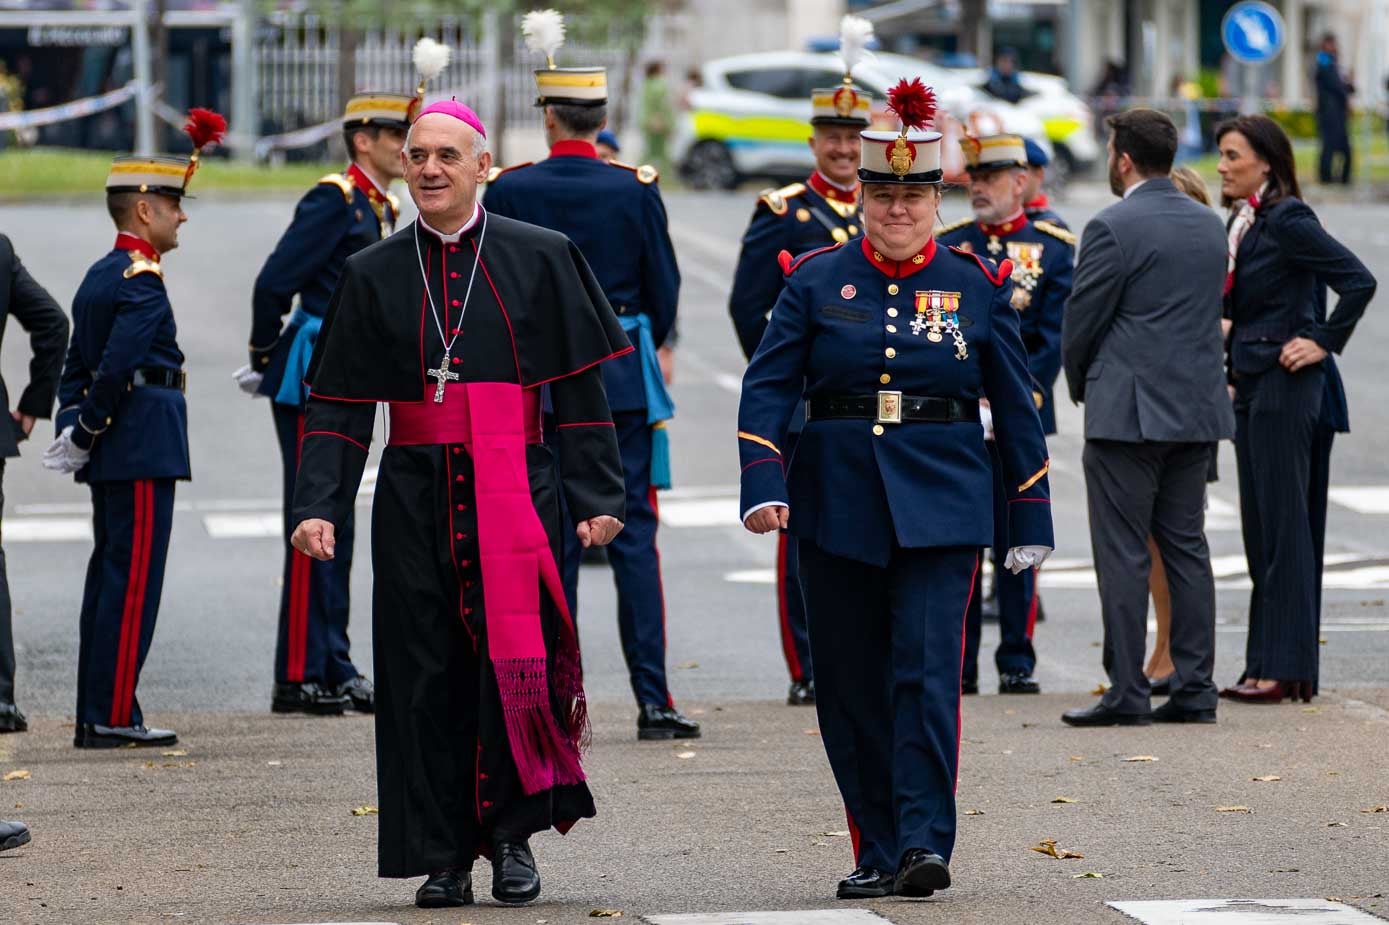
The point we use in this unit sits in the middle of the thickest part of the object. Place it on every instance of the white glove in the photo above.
(1025, 557)
(986, 417)
(248, 380)
(65, 456)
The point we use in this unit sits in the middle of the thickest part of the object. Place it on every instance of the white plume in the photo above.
(544, 32)
(431, 58)
(855, 33)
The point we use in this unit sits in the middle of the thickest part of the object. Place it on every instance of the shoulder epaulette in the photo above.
(790, 265)
(140, 264)
(776, 199)
(999, 276)
(953, 226)
(394, 200)
(646, 173)
(343, 183)
(1056, 231)
(496, 172)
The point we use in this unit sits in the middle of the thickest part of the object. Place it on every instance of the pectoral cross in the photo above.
(441, 375)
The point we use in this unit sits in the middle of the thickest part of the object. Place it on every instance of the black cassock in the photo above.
(445, 777)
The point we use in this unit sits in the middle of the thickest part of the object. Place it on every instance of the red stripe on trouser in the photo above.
(660, 585)
(959, 675)
(783, 606)
(128, 651)
(854, 837)
(1032, 604)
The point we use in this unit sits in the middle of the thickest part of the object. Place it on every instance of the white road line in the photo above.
(1244, 912)
(1363, 499)
(46, 530)
(802, 917)
(244, 526)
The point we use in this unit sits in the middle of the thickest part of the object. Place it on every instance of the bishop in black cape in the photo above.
(447, 781)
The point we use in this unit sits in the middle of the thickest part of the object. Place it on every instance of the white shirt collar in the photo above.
(453, 238)
(839, 186)
(1129, 192)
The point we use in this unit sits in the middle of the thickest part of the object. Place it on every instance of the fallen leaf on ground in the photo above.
(683, 755)
(1233, 809)
(605, 914)
(1063, 800)
(811, 732)
(1099, 690)
(365, 811)
(1088, 875)
(1141, 758)
(974, 812)
(1048, 847)
(272, 764)
(844, 834)
(177, 753)
(1372, 809)
(19, 806)
(687, 665)
(1267, 778)
(1077, 757)
(698, 712)
(18, 775)
(1311, 709)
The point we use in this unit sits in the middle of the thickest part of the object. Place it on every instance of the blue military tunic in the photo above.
(1043, 257)
(122, 393)
(339, 216)
(890, 516)
(1040, 210)
(798, 218)
(615, 215)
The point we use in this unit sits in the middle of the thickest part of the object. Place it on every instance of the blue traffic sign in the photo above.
(1253, 32)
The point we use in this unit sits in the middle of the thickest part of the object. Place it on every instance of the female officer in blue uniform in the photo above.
(892, 341)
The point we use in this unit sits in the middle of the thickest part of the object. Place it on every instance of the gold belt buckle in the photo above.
(889, 407)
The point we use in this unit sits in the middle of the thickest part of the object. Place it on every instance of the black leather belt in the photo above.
(893, 408)
(159, 377)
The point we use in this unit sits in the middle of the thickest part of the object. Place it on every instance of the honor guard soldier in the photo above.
(339, 216)
(615, 214)
(799, 218)
(1042, 256)
(1034, 197)
(123, 430)
(891, 341)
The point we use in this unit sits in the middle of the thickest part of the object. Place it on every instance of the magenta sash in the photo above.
(495, 420)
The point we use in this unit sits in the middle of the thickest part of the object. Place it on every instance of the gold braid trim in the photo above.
(744, 435)
(1036, 477)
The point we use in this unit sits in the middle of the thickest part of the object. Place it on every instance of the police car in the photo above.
(751, 116)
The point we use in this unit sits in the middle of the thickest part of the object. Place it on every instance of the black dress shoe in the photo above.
(11, 720)
(1015, 682)
(360, 693)
(1161, 687)
(1101, 715)
(308, 697)
(13, 834)
(1171, 713)
(802, 694)
(658, 722)
(866, 883)
(969, 687)
(449, 888)
(95, 735)
(921, 873)
(515, 880)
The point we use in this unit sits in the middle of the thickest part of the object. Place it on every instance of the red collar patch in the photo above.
(359, 179)
(827, 189)
(897, 269)
(573, 147)
(130, 242)
(1002, 230)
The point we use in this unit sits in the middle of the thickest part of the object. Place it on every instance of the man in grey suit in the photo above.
(1142, 348)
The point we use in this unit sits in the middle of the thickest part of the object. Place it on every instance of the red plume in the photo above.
(205, 127)
(914, 103)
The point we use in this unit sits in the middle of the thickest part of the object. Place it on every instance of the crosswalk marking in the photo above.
(46, 530)
(244, 526)
(1363, 499)
(1244, 912)
(801, 917)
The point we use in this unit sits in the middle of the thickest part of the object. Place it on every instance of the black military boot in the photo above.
(802, 694)
(13, 834)
(11, 720)
(515, 881)
(866, 883)
(921, 873)
(95, 735)
(1018, 682)
(309, 697)
(660, 722)
(360, 693)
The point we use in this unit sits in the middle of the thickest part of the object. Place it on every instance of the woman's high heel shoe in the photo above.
(1293, 690)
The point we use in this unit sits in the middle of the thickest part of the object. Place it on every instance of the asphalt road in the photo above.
(214, 645)
(211, 664)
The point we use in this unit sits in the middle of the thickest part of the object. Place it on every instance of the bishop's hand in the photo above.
(315, 539)
(598, 531)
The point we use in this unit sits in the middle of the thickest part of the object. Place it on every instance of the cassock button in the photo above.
(457, 360)
(453, 275)
(458, 536)
(890, 353)
(462, 507)
(453, 249)
(486, 804)
(466, 563)
(460, 479)
(481, 776)
(456, 451)
(468, 612)
(892, 289)
(456, 303)
(455, 330)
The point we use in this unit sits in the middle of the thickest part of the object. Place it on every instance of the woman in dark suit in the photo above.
(1281, 340)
